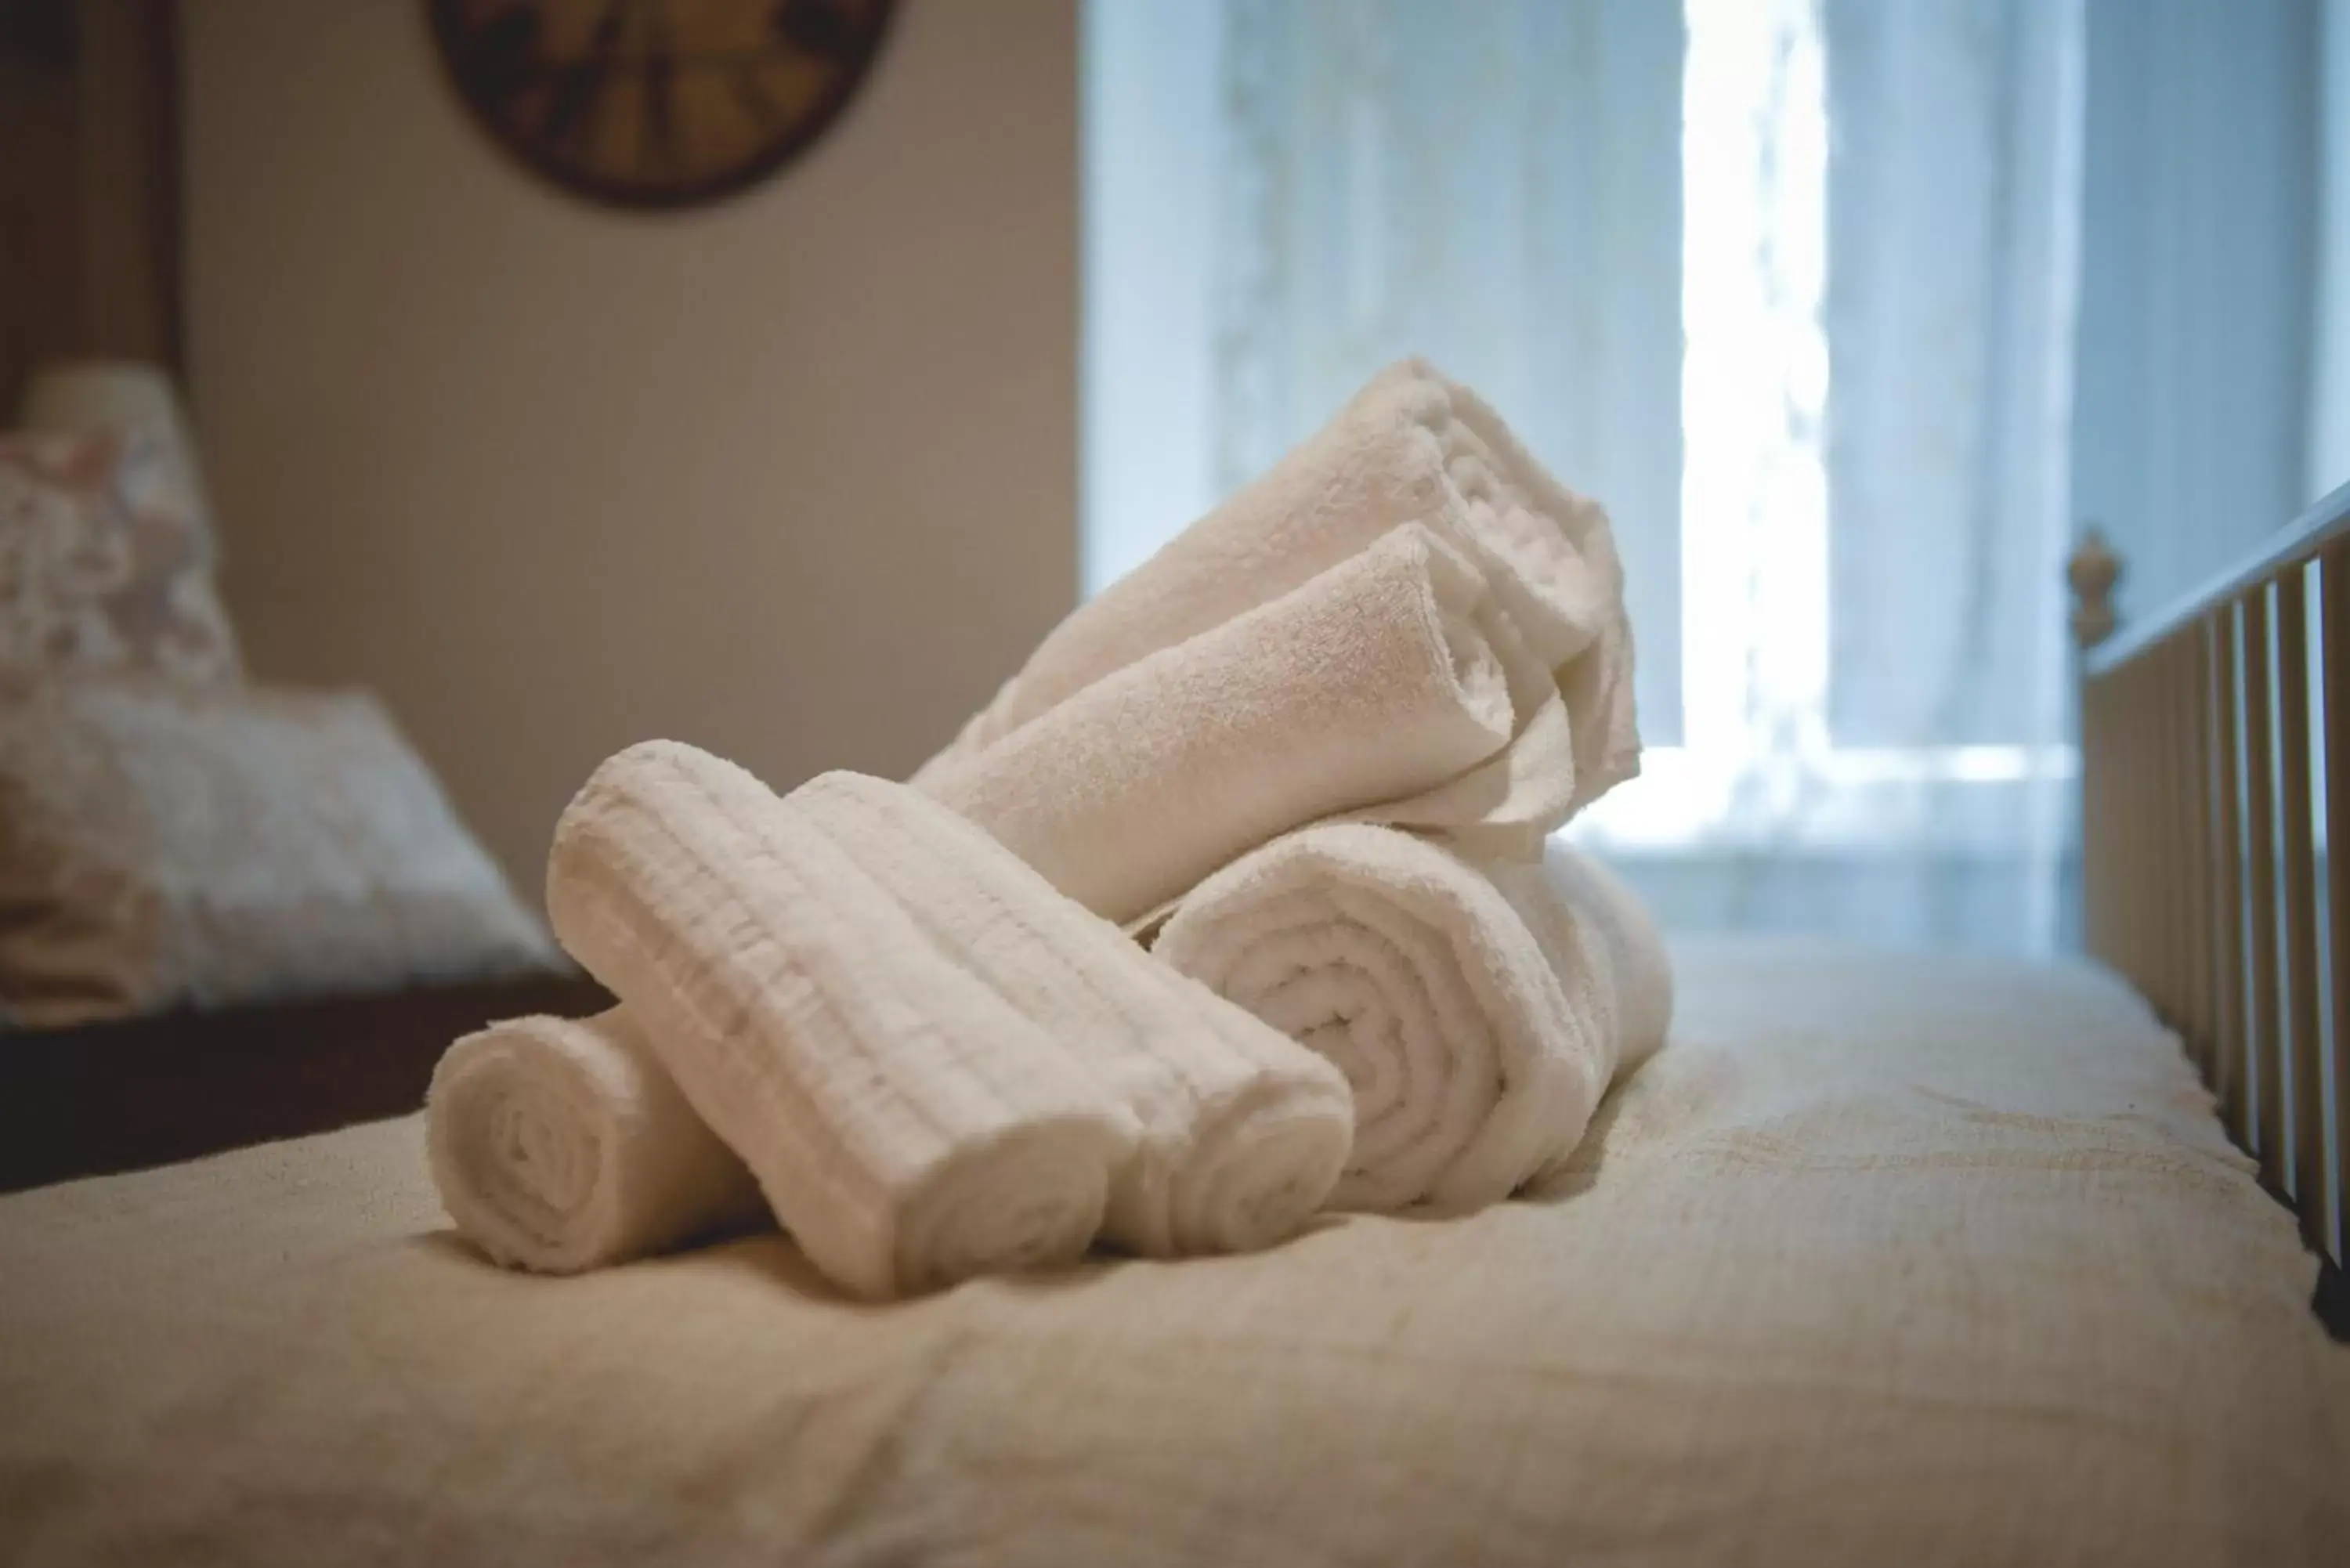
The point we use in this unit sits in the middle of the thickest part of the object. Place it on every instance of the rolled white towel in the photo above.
(1477, 1013)
(1243, 1131)
(1387, 687)
(907, 1124)
(560, 1145)
(1573, 903)
(1411, 446)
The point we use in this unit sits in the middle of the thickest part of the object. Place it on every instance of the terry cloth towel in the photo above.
(1477, 1013)
(1387, 687)
(1244, 1132)
(1412, 447)
(907, 1124)
(1573, 904)
(560, 1144)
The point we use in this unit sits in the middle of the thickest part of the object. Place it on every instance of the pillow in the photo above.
(103, 563)
(164, 846)
(136, 403)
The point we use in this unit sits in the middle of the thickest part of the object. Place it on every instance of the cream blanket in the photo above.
(1887, 1260)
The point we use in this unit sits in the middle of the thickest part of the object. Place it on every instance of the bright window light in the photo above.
(1757, 761)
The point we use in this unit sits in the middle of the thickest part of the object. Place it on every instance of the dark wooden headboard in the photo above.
(90, 185)
(149, 1091)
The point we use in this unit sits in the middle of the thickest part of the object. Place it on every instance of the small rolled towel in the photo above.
(1243, 1131)
(1478, 1014)
(1411, 446)
(907, 1124)
(560, 1145)
(1387, 686)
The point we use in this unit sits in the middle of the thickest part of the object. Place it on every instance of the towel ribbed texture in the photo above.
(1243, 1131)
(907, 1124)
(1477, 1013)
(560, 1145)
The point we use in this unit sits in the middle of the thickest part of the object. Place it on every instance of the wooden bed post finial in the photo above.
(2092, 571)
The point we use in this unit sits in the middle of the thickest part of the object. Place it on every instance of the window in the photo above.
(1792, 287)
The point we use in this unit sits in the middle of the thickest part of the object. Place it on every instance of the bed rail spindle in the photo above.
(2124, 813)
(2092, 571)
(2334, 644)
(2194, 774)
(2160, 983)
(2137, 852)
(2121, 809)
(2264, 1078)
(2229, 1082)
(2170, 833)
(2178, 766)
(2171, 894)
(2096, 836)
(2140, 857)
(2096, 822)
(2096, 871)
(2300, 953)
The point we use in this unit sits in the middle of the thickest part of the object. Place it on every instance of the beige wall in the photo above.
(793, 478)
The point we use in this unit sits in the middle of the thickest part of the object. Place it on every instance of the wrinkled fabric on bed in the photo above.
(1883, 1259)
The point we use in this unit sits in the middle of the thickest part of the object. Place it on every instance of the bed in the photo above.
(1888, 1259)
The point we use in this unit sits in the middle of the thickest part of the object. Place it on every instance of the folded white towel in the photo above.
(1243, 1131)
(560, 1145)
(1387, 686)
(1479, 1014)
(909, 1126)
(1412, 447)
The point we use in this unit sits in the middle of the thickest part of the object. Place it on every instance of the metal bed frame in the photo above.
(2213, 790)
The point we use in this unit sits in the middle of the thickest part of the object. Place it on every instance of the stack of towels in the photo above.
(1238, 902)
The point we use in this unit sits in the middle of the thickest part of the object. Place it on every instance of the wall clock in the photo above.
(657, 103)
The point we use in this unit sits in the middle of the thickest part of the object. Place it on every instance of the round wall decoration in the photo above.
(657, 103)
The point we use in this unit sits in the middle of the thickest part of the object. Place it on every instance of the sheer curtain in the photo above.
(1495, 186)
(1789, 284)
(1883, 250)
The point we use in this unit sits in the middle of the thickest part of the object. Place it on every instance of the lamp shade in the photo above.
(134, 402)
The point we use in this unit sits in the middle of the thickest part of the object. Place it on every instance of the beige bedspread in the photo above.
(1897, 1262)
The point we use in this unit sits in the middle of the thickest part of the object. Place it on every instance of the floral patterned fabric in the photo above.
(103, 565)
(137, 404)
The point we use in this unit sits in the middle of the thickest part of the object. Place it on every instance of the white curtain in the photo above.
(1496, 186)
(1789, 285)
(1953, 182)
